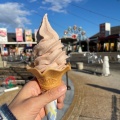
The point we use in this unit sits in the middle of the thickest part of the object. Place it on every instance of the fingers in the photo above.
(60, 105)
(31, 89)
(60, 102)
(32, 86)
(51, 95)
(40, 115)
(61, 99)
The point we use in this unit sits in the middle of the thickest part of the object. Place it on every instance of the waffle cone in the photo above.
(49, 78)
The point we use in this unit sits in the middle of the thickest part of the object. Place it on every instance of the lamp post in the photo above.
(76, 33)
(88, 40)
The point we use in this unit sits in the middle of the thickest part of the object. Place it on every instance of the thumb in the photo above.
(50, 95)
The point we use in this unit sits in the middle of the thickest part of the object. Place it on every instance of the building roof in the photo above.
(114, 30)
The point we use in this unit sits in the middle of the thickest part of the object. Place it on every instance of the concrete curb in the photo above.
(73, 108)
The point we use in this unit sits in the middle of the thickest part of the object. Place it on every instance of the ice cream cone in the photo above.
(49, 78)
(50, 62)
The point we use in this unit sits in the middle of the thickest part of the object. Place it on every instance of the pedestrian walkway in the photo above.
(95, 97)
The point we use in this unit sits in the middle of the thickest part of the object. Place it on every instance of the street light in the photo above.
(76, 33)
(88, 40)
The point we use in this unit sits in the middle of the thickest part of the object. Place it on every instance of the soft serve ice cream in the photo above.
(50, 63)
(48, 52)
(50, 60)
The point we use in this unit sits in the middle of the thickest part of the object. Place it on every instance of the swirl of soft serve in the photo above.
(48, 52)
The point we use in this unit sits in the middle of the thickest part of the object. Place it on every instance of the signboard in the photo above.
(28, 35)
(74, 36)
(19, 35)
(105, 29)
(3, 35)
(29, 45)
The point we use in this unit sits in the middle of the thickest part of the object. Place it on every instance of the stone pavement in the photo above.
(95, 97)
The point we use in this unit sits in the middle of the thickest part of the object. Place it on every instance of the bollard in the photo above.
(118, 58)
(79, 65)
(106, 70)
(79, 50)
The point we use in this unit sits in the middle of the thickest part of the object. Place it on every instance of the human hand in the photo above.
(29, 103)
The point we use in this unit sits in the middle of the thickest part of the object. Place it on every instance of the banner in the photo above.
(19, 35)
(35, 33)
(28, 35)
(3, 35)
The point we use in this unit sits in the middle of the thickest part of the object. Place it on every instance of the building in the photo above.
(109, 43)
(10, 44)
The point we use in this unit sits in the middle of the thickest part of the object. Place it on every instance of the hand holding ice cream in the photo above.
(50, 62)
(29, 103)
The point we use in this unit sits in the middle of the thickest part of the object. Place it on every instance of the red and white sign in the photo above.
(11, 79)
(3, 35)
(19, 35)
(74, 36)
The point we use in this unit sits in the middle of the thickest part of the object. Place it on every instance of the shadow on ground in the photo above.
(105, 88)
(91, 72)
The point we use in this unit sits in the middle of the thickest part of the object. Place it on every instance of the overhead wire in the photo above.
(42, 16)
(88, 11)
(69, 12)
(95, 12)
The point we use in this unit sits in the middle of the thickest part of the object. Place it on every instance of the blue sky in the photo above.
(87, 14)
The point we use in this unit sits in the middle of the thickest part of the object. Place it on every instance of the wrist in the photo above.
(5, 113)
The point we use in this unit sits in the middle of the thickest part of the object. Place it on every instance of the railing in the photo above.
(17, 58)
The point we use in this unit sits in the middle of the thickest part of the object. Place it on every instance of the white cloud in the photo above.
(57, 5)
(13, 15)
